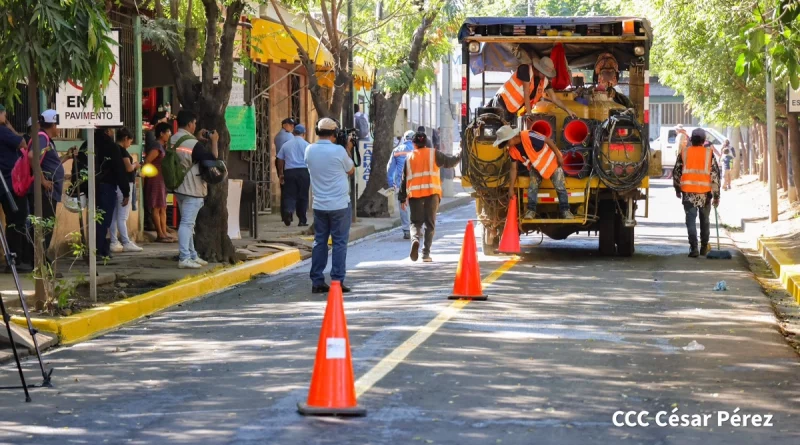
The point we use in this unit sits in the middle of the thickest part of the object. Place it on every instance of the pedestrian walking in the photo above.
(394, 174)
(285, 135)
(696, 179)
(110, 175)
(329, 166)
(155, 190)
(361, 124)
(727, 166)
(193, 190)
(15, 222)
(422, 188)
(295, 181)
(120, 241)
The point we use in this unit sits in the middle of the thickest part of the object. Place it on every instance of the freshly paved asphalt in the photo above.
(566, 339)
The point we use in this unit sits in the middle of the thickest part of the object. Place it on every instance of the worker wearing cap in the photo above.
(541, 156)
(284, 135)
(682, 138)
(696, 179)
(394, 176)
(293, 173)
(530, 80)
(422, 187)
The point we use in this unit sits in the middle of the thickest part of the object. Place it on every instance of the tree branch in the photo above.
(333, 33)
(212, 47)
(232, 15)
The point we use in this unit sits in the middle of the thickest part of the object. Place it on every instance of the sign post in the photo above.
(76, 111)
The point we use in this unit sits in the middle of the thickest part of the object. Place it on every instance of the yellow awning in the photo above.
(272, 44)
(362, 76)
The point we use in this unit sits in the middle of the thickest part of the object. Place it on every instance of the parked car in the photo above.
(669, 148)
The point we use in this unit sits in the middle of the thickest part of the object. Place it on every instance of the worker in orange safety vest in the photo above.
(696, 178)
(529, 80)
(422, 187)
(541, 156)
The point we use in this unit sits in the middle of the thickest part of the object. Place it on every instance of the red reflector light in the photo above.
(464, 110)
(623, 132)
(463, 83)
(620, 147)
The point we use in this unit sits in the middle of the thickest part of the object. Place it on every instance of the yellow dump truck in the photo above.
(605, 147)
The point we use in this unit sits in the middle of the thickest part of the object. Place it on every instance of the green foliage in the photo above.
(771, 37)
(58, 40)
(576, 8)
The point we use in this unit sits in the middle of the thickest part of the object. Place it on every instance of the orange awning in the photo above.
(271, 43)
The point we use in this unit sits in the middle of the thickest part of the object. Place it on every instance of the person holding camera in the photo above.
(422, 187)
(192, 192)
(329, 165)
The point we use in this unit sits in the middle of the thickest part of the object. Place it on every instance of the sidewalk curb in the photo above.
(101, 319)
(782, 265)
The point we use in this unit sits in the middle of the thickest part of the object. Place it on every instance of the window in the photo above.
(294, 85)
(671, 136)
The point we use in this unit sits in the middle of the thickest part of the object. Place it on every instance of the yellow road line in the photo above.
(388, 363)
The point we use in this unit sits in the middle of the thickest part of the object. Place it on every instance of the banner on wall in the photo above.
(242, 126)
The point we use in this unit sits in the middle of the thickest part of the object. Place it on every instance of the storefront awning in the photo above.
(272, 44)
(362, 76)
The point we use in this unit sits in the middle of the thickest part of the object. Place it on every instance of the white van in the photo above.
(669, 147)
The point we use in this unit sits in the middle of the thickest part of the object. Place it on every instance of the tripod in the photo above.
(11, 259)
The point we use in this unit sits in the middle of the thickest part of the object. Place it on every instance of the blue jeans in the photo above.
(119, 225)
(336, 224)
(558, 183)
(691, 223)
(405, 217)
(190, 207)
(106, 202)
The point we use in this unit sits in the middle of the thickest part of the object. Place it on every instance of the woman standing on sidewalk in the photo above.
(155, 190)
(120, 242)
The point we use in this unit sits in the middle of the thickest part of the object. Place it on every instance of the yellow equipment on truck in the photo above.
(605, 146)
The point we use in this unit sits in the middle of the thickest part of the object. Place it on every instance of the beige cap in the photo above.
(505, 133)
(327, 124)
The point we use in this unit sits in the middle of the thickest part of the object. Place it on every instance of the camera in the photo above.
(207, 134)
(347, 135)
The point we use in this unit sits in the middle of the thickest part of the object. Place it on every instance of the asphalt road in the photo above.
(566, 339)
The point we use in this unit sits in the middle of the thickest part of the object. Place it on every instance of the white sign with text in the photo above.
(76, 111)
(794, 100)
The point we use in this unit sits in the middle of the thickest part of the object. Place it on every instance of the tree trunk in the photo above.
(780, 139)
(763, 153)
(794, 148)
(372, 204)
(41, 288)
(745, 153)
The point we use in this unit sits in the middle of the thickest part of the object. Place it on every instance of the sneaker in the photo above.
(117, 248)
(302, 224)
(200, 261)
(320, 289)
(414, 255)
(566, 215)
(130, 247)
(188, 264)
(705, 249)
(530, 214)
(406, 234)
(427, 259)
(694, 253)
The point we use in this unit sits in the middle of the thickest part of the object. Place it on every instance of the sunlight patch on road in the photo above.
(388, 363)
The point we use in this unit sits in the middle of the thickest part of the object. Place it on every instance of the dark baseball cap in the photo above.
(288, 120)
(699, 132)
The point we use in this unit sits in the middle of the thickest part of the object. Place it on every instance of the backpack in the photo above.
(21, 174)
(171, 166)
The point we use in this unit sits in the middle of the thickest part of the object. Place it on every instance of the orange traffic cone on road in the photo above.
(333, 390)
(468, 275)
(509, 243)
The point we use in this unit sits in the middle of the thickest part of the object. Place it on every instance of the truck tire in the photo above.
(606, 228)
(624, 237)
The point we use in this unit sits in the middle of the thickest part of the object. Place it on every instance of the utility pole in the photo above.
(446, 118)
(771, 146)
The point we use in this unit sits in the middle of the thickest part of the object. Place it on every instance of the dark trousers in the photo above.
(423, 211)
(296, 182)
(336, 225)
(691, 223)
(16, 228)
(107, 203)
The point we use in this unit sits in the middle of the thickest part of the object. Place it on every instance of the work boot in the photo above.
(694, 253)
(427, 259)
(406, 234)
(321, 289)
(414, 255)
(530, 214)
(566, 214)
(705, 249)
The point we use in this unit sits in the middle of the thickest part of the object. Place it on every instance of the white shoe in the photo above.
(188, 264)
(116, 248)
(131, 247)
(200, 261)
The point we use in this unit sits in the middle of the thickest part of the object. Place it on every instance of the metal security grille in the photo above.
(295, 110)
(128, 81)
(260, 168)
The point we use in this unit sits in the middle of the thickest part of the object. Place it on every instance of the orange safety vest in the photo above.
(696, 176)
(544, 161)
(422, 174)
(513, 92)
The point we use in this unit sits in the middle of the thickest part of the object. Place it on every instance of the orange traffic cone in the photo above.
(333, 390)
(509, 243)
(468, 275)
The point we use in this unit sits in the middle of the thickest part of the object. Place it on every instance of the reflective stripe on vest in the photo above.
(422, 176)
(513, 92)
(696, 176)
(544, 161)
